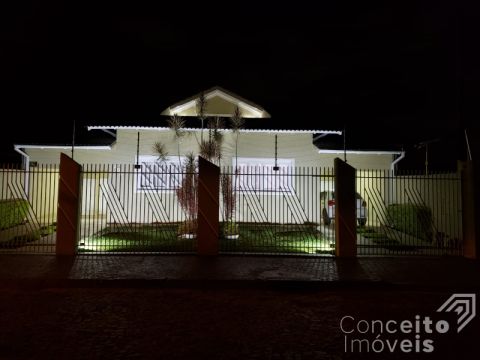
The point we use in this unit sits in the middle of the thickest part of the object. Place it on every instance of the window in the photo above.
(257, 174)
(159, 175)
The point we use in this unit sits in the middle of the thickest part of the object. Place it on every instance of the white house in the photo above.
(261, 141)
(282, 170)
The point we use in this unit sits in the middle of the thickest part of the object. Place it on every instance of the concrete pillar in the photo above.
(470, 206)
(208, 207)
(68, 206)
(345, 212)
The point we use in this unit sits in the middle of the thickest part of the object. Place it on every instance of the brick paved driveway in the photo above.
(206, 324)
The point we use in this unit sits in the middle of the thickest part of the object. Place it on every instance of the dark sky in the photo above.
(392, 74)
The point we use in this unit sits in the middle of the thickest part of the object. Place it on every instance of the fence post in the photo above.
(68, 206)
(208, 206)
(345, 214)
(470, 203)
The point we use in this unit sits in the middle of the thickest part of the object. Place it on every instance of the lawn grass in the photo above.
(12, 212)
(277, 238)
(381, 240)
(145, 238)
(256, 238)
(19, 241)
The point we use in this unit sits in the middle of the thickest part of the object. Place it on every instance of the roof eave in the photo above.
(62, 147)
(163, 128)
(360, 152)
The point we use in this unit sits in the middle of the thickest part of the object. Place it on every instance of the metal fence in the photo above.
(153, 208)
(150, 208)
(411, 214)
(137, 209)
(275, 210)
(28, 209)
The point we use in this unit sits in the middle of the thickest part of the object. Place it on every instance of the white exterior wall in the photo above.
(279, 208)
(262, 145)
(41, 193)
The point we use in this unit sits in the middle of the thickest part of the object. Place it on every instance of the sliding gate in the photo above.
(152, 208)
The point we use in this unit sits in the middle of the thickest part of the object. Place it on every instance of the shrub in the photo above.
(230, 228)
(12, 212)
(187, 227)
(411, 219)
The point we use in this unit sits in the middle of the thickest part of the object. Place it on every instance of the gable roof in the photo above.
(220, 102)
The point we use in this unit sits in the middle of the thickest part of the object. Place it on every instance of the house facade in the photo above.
(280, 170)
(259, 142)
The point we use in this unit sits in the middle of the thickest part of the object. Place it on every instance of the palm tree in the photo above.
(159, 149)
(201, 105)
(176, 124)
(211, 148)
(187, 193)
(228, 197)
(236, 122)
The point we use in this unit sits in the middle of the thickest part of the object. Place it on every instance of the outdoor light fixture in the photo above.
(276, 168)
(137, 165)
(424, 144)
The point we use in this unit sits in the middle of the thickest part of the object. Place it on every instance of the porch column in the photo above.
(68, 206)
(345, 224)
(208, 207)
(470, 206)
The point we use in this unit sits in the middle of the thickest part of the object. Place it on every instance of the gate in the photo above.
(28, 209)
(130, 208)
(412, 214)
(275, 210)
(150, 208)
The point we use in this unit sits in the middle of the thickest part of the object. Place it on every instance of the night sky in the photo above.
(392, 75)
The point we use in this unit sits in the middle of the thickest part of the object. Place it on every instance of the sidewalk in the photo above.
(237, 271)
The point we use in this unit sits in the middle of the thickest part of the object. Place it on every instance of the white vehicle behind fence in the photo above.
(327, 201)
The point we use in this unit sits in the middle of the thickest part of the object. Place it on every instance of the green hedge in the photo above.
(415, 220)
(12, 212)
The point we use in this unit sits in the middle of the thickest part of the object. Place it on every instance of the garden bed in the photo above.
(254, 238)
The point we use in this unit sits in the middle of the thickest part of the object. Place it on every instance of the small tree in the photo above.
(160, 151)
(211, 148)
(228, 197)
(187, 192)
(237, 123)
(201, 107)
(162, 154)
